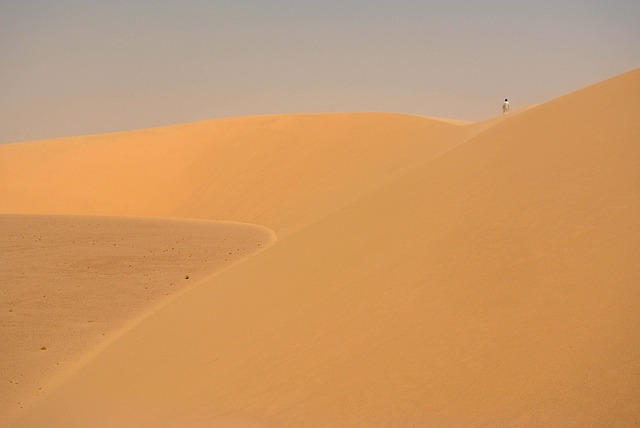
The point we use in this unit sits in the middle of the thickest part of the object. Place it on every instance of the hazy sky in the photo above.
(70, 67)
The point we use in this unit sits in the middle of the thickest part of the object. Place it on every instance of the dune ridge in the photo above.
(306, 164)
(426, 273)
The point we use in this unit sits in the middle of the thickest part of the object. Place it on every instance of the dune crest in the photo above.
(426, 274)
(284, 172)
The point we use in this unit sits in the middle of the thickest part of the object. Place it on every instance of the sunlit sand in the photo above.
(362, 269)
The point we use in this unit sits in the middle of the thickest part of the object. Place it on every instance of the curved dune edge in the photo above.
(489, 282)
(73, 284)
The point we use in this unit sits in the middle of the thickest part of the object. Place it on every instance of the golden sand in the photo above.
(427, 273)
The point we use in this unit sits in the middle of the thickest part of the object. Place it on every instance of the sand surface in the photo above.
(71, 285)
(427, 273)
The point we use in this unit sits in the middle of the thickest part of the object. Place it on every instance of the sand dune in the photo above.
(426, 273)
(283, 172)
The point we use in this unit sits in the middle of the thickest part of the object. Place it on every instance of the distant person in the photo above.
(505, 106)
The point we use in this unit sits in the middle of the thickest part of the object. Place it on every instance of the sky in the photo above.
(73, 67)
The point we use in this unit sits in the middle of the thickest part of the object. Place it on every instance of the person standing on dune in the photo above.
(505, 106)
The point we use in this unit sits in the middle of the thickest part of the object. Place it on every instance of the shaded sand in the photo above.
(69, 282)
(426, 274)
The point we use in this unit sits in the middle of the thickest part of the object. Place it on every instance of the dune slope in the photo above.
(283, 172)
(494, 284)
(72, 284)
